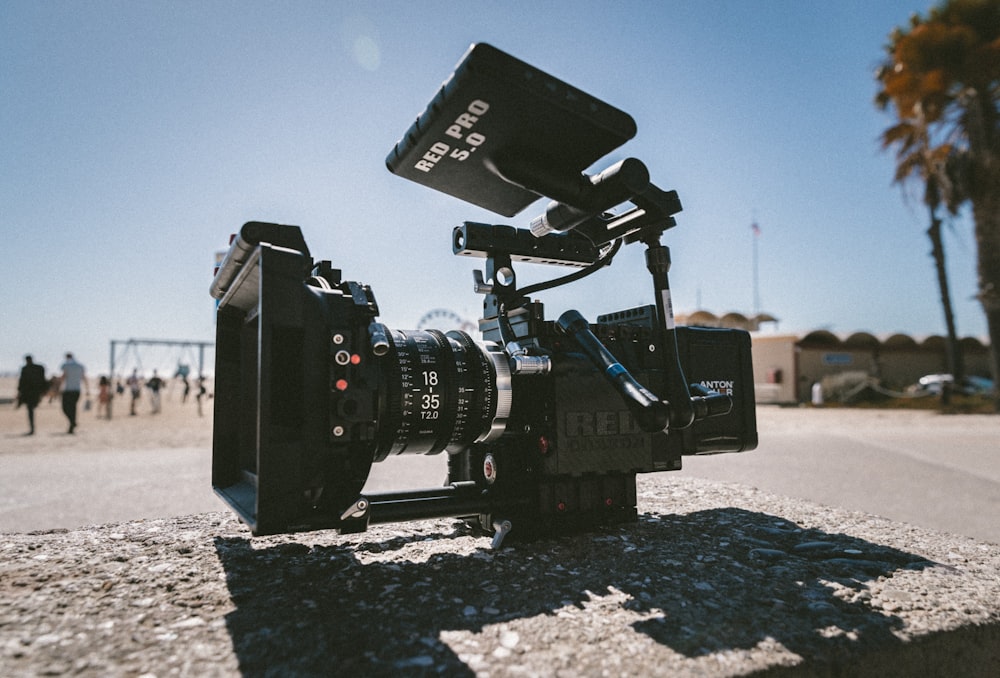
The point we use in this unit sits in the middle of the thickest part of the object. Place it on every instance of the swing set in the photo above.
(127, 352)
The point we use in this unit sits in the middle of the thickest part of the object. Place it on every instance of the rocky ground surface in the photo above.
(715, 579)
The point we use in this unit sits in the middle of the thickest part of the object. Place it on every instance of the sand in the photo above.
(128, 467)
(177, 425)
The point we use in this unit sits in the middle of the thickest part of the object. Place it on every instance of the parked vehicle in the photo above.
(934, 384)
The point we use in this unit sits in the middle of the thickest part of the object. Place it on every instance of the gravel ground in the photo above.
(715, 579)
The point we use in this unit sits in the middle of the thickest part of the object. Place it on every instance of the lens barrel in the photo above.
(440, 392)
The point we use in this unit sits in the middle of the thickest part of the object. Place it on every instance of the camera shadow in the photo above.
(698, 583)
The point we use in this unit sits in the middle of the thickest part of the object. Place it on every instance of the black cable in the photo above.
(572, 277)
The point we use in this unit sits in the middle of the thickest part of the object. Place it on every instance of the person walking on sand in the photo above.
(154, 385)
(30, 387)
(73, 378)
(135, 389)
(201, 393)
(104, 397)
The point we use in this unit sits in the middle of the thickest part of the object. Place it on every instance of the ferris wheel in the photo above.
(445, 319)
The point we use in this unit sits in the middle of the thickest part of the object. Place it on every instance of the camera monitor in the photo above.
(501, 133)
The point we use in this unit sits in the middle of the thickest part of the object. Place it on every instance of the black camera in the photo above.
(545, 423)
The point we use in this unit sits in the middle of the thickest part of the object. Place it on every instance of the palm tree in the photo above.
(934, 166)
(942, 74)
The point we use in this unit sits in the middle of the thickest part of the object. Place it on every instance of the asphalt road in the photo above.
(937, 472)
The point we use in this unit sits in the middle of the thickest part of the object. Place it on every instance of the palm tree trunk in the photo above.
(984, 191)
(953, 355)
(986, 213)
(993, 325)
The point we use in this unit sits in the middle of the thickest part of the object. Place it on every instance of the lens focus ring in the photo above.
(440, 392)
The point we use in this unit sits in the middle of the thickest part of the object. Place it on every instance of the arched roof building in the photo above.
(733, 320)
(786, 365)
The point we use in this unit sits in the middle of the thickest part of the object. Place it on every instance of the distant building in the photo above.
(785, 366)
(737, 321)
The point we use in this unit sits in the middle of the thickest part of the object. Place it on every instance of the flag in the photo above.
(755, 229)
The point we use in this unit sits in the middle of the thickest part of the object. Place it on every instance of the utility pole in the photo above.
(755, 230)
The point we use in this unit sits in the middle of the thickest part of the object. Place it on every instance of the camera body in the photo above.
(311, 390)
(545, 423)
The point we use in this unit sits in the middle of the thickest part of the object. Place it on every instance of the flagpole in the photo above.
(755, 235)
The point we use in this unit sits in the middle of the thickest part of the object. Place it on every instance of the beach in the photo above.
(177, 425)
(129, 467)
(142, 466)
(937, 471)
(119, 560)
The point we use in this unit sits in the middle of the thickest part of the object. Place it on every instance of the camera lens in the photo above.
(441, 393)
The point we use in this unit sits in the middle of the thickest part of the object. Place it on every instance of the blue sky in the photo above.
(136, 136)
